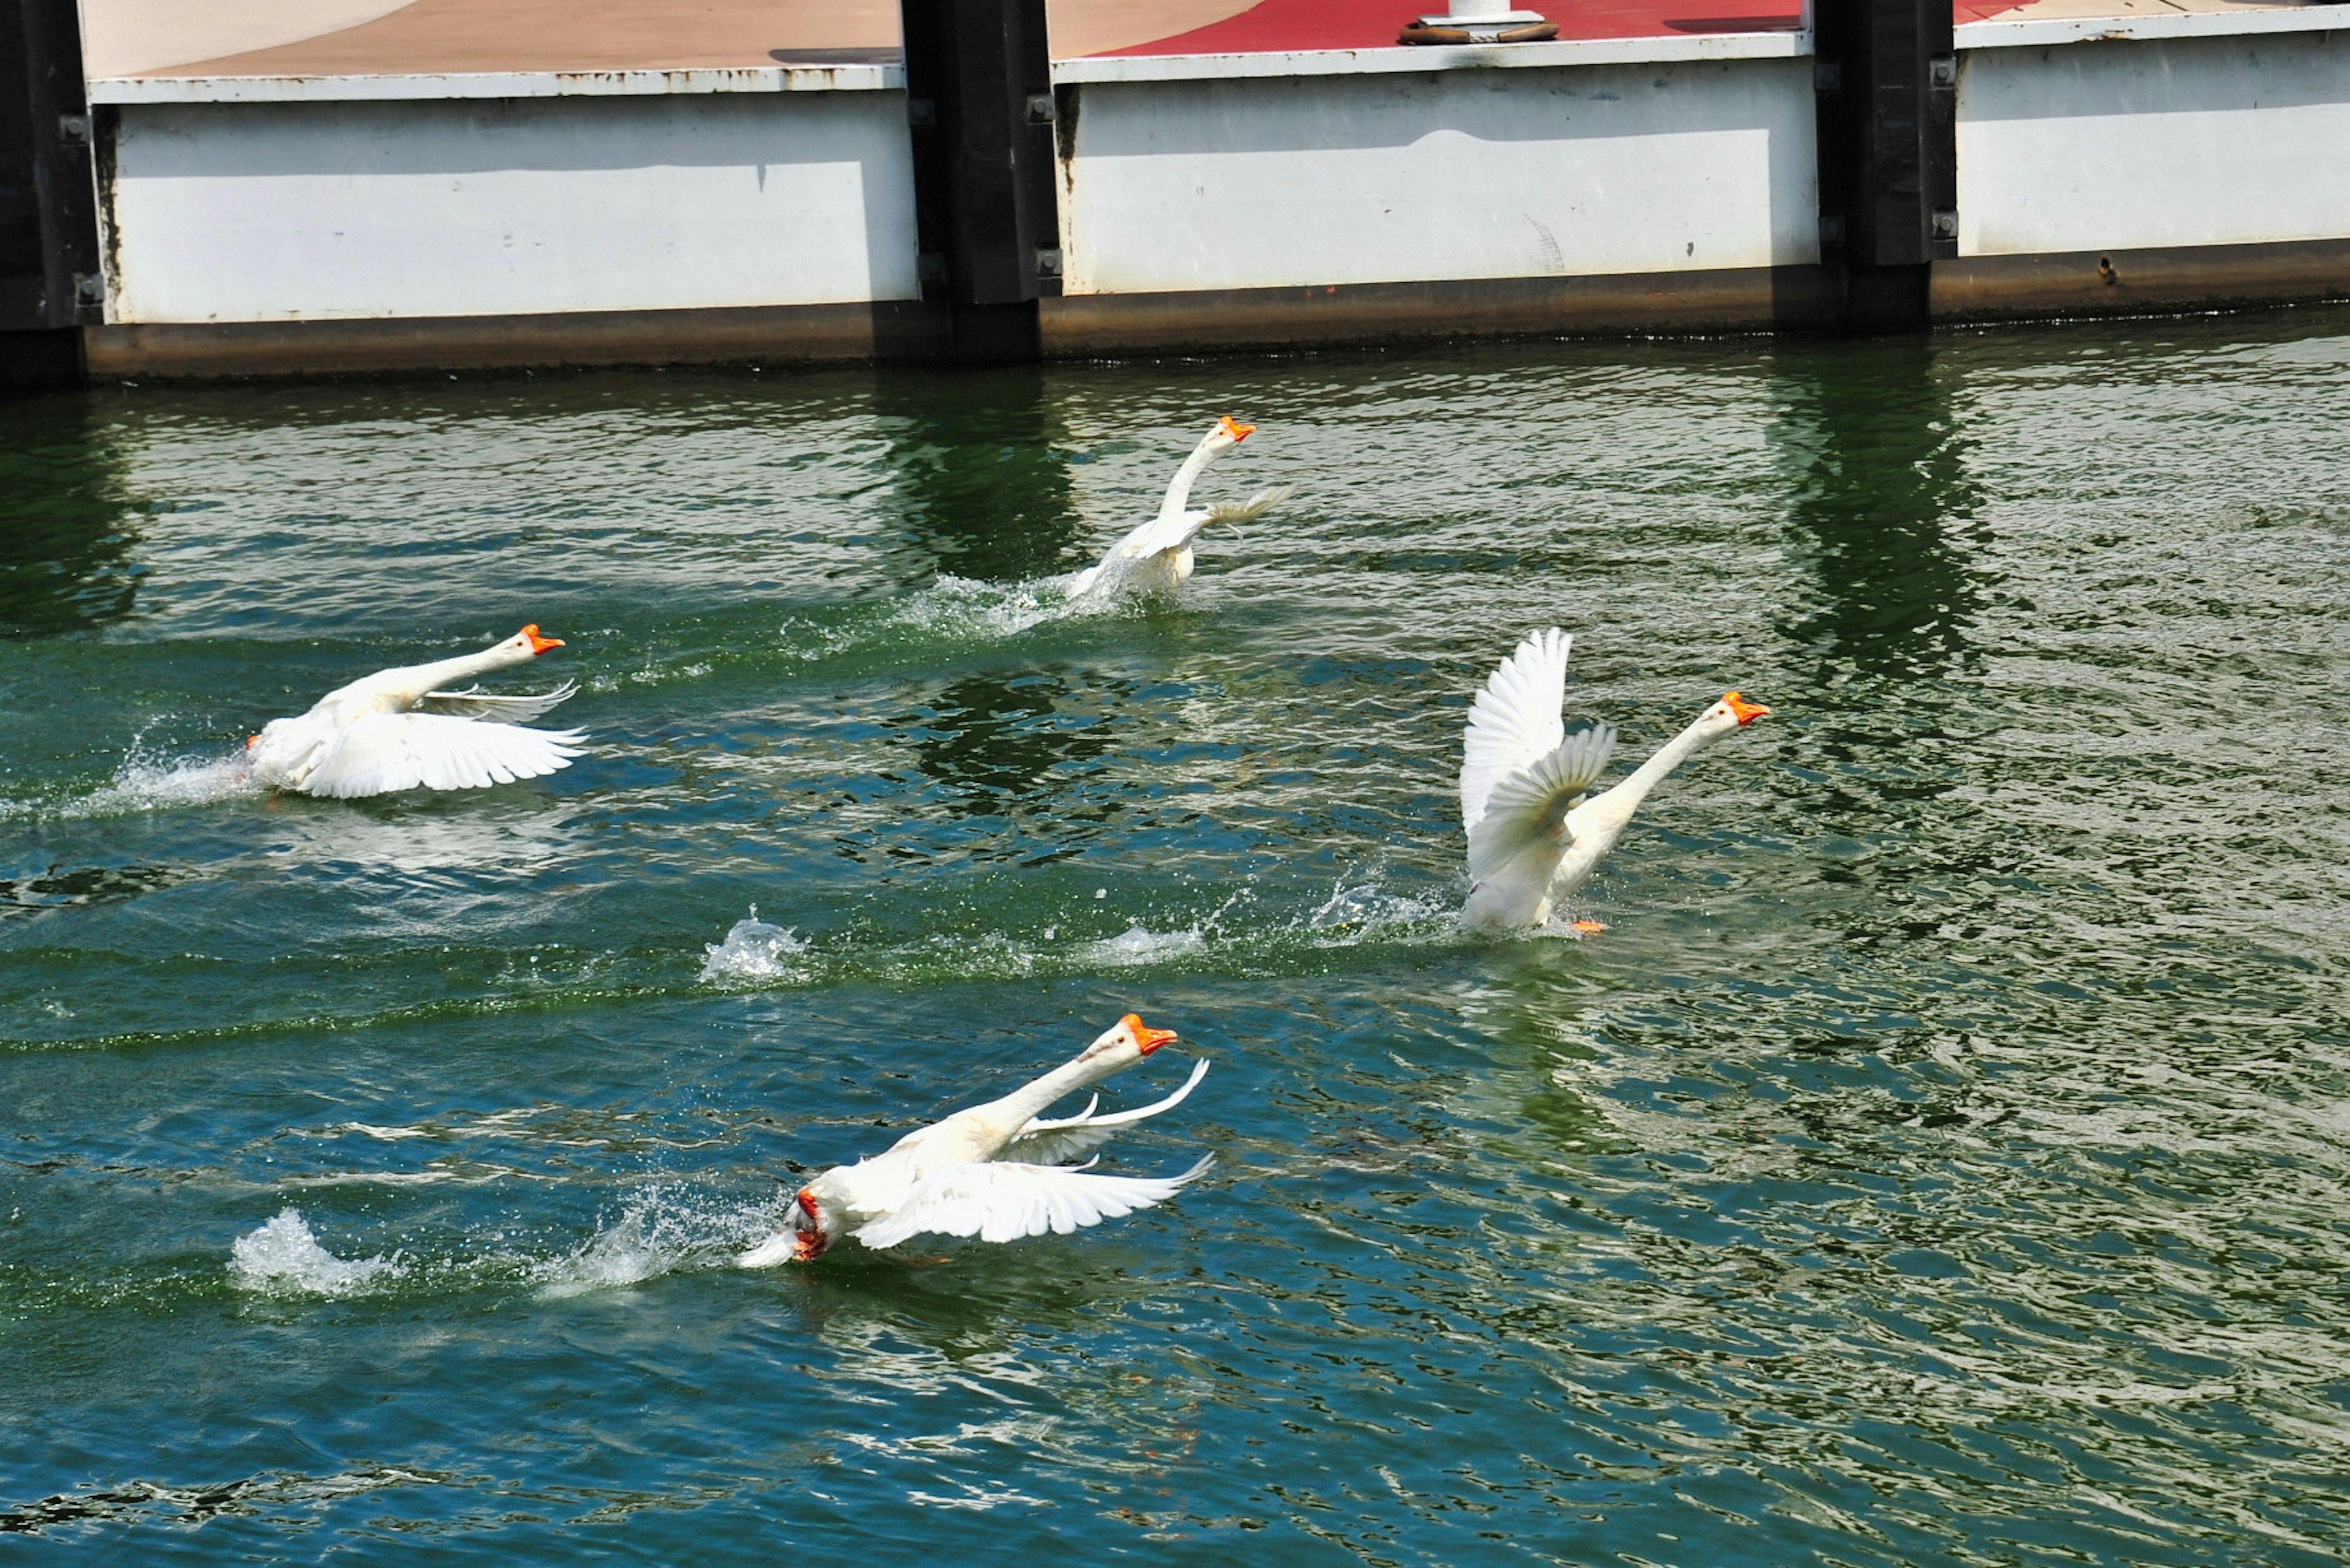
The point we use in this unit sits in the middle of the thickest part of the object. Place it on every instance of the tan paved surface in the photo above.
(438, 35)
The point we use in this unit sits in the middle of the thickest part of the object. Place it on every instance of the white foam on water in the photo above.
(753, 950)
(1138, 945)
(959, 609)
(144, 784)
(282, 1259)
(952, 609)
(758, 953)
(659, 1232)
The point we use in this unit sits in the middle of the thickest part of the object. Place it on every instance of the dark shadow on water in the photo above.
(276, 1495)
(1884, 519)
(62, 888)
(67, 522)
(994, 738)
(979, 479)
(1885, 506)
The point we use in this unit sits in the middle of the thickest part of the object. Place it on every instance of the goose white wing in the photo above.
(1052, 1143)
(1514, 719)
(1255, 506)
(1152, 538)
(1003, 1202)
(1523, 813)
(1161, 534)
(507, 708)
(380, 752)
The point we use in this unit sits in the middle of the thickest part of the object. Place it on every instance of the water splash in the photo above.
(144, 782)
(754, 951)
(963, 608)
(659, 1232)
(145, 785)
(952, 610)
(957, 610)
(282, 1259)
(1137, 945)
(1354, 915)
(1368, 912)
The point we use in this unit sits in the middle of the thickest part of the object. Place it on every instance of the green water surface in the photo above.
(1939, 1161)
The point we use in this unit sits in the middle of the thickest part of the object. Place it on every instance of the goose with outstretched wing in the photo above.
(995, 1171)
(402, 729)
(1156, 559)
(1535, 830)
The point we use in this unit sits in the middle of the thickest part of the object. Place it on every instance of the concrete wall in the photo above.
(2154, 143)
(1198, 185)
(340, 210)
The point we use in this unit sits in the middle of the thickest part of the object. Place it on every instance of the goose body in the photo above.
(400, 729)
(1535, 831)
(1156, 559)
(994, 1170)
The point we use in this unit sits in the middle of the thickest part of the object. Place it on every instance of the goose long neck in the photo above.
(410, 684)
(1650, 774)
(468, 665)
(1179, 489)
(1082, 1072)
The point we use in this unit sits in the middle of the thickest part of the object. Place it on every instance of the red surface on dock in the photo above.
(378, 38)
(1280, 24)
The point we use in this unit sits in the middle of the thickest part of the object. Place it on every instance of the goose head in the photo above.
(1125, 1043)
(1227, 433)
(527, 644)
(1732, 713)
(815, 1215)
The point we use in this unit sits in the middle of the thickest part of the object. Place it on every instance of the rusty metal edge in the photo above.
(792, 333)
(1740, 299)
(1751, 299)
(2138, 282)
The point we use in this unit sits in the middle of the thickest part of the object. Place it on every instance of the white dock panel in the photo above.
(2151, 142)
(1392, 177)
(305, 210)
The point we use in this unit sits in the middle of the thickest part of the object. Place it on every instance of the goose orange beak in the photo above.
(1234, 429)
(1747, 711)
(1146, 1037)
(539, 644)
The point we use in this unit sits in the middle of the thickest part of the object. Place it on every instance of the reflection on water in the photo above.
(978, 469)
(1884, 501)
(997, 739)
(68, 534)
(60, 886)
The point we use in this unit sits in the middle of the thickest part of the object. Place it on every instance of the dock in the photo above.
(265, 187)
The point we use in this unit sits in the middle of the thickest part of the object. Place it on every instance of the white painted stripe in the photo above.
(1776, 44)
(2030, 32)
(496, 85)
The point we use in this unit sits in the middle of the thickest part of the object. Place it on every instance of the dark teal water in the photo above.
(1940, 1161)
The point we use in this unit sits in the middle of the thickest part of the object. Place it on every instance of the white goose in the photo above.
(992, 1171)
(1532, 836)
(368, 738)
(1157, 557)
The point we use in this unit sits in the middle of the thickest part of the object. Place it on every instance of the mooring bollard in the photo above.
(1479, 22)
